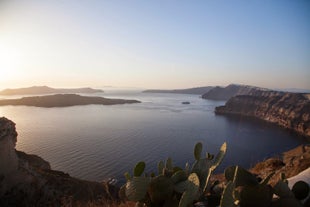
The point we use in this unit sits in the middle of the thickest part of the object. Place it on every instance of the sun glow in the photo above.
(10, 59)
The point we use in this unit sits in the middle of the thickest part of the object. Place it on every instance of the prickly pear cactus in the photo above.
(301, 190)
(136, 188)
(240, 176)
(139, 169)
(203, 167)
(173, 186)
(191, 192)
(160, 189)
(256, 196)
(244, 190)
(227, 199)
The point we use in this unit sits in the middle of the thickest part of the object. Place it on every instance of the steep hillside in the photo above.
(225, 93)
(197, 90)
(289, 110)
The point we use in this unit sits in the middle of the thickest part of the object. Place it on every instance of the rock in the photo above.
(289, 110)
(27, 180)
(8, 138)
(291, 163)
(33, 160)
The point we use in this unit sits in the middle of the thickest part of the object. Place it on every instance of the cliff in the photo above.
(63, 100)
(197, 90)
(46, 90)
(289, 110)
(225, 93)
(28, 180)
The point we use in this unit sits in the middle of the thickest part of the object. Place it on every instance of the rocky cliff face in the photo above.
(289, 110)
(27, 180)
(220, 93)
(8, 157)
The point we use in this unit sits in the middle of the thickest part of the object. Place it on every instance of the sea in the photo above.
(99, 142)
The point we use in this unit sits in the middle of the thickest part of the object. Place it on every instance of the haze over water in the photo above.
(97, 142)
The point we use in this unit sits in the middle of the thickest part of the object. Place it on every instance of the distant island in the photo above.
(225, 93)
(196, 90)
(63, 100)
(47, 90)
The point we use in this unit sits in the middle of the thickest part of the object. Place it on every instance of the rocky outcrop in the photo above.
(197, 90)
(27, 180)
(63, 100)
(8, 157)
(46, 90)
(289, 110)
(225, 93)
(291, 163)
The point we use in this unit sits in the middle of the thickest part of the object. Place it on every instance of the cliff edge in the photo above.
(288, 110)
(28, 180)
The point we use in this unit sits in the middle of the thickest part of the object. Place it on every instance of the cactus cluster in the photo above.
(173, 186)
(177, 187)
(243, 189)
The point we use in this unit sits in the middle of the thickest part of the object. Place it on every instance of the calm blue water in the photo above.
(97, 142)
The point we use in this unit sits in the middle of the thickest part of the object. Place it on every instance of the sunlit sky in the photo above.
(154, 44)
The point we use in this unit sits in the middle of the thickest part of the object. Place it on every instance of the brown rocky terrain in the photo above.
(288, 110)
(28, 180)
(290, 163)
(63, 100)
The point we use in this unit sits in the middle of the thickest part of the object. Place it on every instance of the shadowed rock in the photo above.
(27, 180)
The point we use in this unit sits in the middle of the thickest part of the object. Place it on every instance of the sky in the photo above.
(154, 44)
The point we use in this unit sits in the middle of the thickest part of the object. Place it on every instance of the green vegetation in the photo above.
(244, 189)
(191, 186)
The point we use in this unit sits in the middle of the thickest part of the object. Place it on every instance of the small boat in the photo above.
(185, 102)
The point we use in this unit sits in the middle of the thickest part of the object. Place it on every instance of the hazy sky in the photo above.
(154, 44)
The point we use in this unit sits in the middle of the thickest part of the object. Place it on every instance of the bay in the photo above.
(97, 142)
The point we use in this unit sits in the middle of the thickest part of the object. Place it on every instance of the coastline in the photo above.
(31, 176)
(287, 110)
